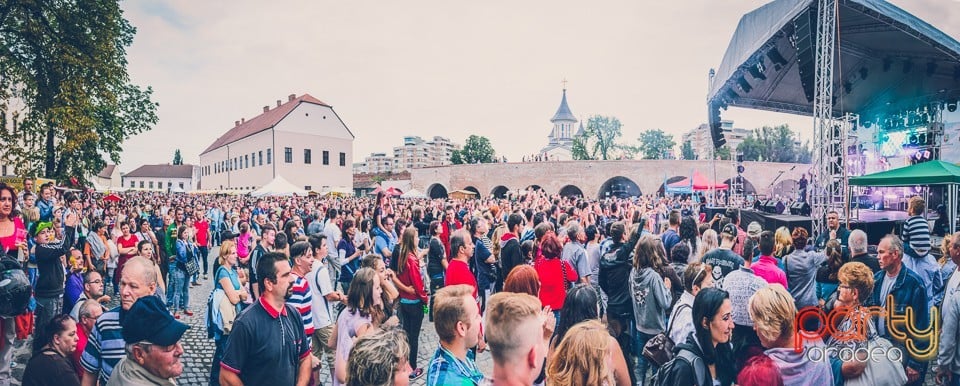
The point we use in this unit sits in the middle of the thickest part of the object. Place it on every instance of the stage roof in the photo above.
(888, 60)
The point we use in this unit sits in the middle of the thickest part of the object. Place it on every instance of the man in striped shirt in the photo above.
(301, 297)
(916, 251)
(105, 345)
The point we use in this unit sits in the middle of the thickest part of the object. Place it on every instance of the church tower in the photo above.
(563, 124)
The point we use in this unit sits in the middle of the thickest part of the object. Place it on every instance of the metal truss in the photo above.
(829, 180)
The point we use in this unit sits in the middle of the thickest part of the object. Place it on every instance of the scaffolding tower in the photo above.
(829, 184)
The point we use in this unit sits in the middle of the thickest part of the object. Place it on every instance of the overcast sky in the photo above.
(449, 68)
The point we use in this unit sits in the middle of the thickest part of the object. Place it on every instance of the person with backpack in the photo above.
(615, 266)
(706, 355)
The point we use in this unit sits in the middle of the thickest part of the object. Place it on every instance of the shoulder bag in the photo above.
(659, 349)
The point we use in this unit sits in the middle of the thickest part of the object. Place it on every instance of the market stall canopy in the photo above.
(413, 193)
(699, 183)
(113, 198)
(887, 60)
(927, 173)
(279, 187)
(461, 194)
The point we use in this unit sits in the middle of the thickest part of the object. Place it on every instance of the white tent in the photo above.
(279, 187)
(413, 193)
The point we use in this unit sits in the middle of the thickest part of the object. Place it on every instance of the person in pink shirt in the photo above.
(766, 267)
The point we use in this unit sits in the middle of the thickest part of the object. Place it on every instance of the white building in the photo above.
(560, 144)
(165, 178)
(302, 139)
(417, 153)
(108, 178)
(702, 142)
(375, 163)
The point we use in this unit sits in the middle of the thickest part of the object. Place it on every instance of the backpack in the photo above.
(662, 378)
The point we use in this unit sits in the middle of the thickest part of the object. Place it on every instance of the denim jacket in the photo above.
(907, 291)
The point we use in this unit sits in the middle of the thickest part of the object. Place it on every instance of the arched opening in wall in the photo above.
(437, 191)
(474, 190)
(786, 188)
(535, 188)
(499, 191)
(619, 186)
(571, 191)
(660, 192)
(748, 187)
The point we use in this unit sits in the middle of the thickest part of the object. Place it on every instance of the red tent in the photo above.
(699, 183)
(113, 198)
(391, 191)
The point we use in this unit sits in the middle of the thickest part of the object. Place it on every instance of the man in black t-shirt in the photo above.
(723, 259)
(268, 345)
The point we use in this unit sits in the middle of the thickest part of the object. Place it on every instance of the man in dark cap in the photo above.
(153, 345)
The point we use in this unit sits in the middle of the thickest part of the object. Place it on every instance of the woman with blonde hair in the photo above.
(379, 359)
(784, 244)
(773, 313)
(708, 243)
(231, 281)
(583, 357)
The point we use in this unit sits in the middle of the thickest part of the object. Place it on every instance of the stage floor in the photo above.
(869, 215)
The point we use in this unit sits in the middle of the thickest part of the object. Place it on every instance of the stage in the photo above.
(875, 223)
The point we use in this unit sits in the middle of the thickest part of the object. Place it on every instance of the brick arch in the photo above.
(619, 186)
(437, 190)
(570, 191)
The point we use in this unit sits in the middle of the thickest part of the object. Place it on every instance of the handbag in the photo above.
(191, 265)
(659, 349)
(563, 271)
(881, 370)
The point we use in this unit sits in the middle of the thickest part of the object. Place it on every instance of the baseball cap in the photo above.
(730, 229)
(149, 321)
(754, 229)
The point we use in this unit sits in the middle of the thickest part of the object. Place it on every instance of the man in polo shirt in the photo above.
(458, 271)
(457, 320)
(153, 354)
(105, 345)
(268, 345)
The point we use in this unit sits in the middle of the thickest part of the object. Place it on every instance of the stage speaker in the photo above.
(770, 206)
(800, 209)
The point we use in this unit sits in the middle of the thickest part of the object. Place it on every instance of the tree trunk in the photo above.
(50, 154)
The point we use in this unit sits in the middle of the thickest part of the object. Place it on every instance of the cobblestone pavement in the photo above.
(198, 350)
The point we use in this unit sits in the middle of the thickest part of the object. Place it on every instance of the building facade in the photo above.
(163, 178)
(108, 178)
(560, 140)
(302, 139)
(702, 142)
(415, 153)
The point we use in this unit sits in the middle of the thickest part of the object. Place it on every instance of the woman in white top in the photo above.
(696, 277)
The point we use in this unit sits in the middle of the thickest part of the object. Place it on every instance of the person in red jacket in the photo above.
(450, 224)
(555, 273)
(413, 294)
(458, 270)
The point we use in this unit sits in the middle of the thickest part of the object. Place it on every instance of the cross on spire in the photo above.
(564, 81)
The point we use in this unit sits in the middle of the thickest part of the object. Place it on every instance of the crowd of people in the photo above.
(558, 290)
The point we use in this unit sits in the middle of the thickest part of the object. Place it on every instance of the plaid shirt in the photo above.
(446, 369)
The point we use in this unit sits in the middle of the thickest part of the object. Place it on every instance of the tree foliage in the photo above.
(177, 159)
(686, 151)
(655, 144)
(599, 139)
(722, 153)
(65, 88)
(774, 144)
(477, 149)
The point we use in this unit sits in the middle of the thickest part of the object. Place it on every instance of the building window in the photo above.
(159, 184)
(269, 158)
(307, 156)
(288, 155)
(151, 184)
(326, 157)
(261, 157)
(132, 184)
(181, 185)
(343, 159)
(253, 159)
(307, 187)
(141, 184)
(246, 161)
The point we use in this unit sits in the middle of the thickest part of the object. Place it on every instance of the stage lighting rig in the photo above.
(744, 85)
(887, 63)
(931, 68)
(757, 71)
(952, 106)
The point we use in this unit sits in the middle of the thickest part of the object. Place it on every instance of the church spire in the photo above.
(563, 112)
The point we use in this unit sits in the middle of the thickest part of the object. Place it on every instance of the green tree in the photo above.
(601, 135)
(655, 144)
(774, 144)
(686, 151)
(477, 149)
(456, 157)
(66, 88)
(723, 152)
(579, 150)
(177, 159)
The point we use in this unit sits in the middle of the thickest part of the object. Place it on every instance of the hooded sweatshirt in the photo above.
(651, 300)
(797, 370)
